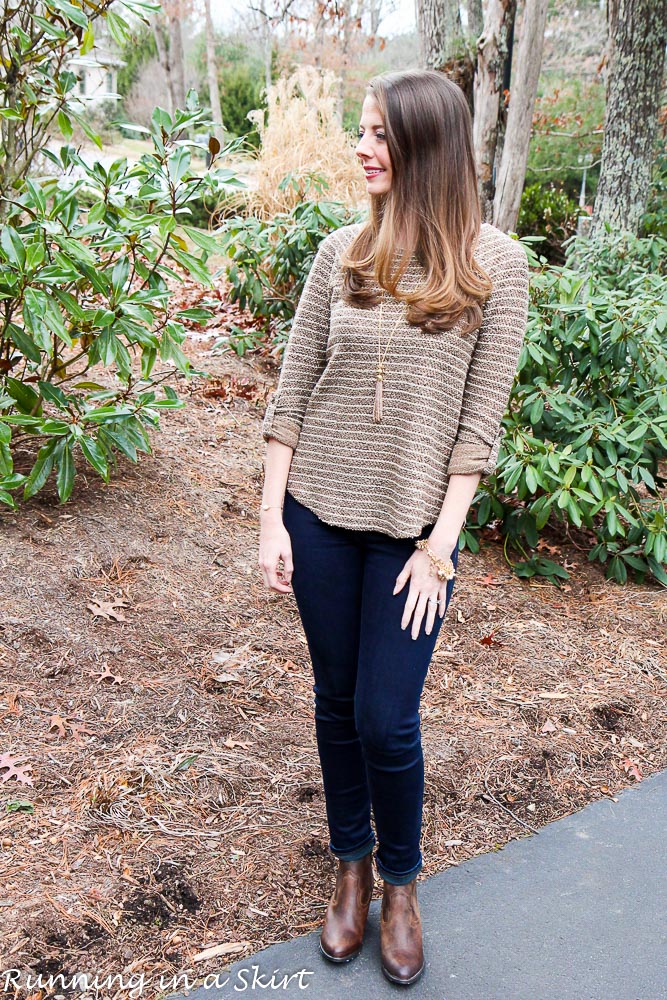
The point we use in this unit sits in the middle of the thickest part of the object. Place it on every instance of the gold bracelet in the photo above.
(442, 568)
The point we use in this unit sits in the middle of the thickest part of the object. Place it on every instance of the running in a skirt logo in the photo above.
(137, 985)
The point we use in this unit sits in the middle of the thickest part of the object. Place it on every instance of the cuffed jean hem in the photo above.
(355, 855)
(395, 879)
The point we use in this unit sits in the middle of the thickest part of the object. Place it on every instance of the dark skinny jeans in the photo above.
(369, 676)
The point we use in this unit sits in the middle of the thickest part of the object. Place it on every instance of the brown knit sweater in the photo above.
(444, 395)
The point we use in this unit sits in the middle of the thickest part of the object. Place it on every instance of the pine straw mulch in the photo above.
(160, 701)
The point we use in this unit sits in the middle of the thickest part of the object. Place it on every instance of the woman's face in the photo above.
(372, 148)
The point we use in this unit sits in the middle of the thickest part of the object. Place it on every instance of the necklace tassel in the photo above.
(379, 375)
(377, 404)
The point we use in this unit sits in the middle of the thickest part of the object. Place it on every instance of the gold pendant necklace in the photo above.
(380, 372)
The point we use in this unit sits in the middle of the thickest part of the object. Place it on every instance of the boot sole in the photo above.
(338, 961)
(403, 982)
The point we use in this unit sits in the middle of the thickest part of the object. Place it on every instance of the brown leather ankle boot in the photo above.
(401, 945)
(345, 919)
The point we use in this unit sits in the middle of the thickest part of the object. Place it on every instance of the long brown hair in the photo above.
(433, 203)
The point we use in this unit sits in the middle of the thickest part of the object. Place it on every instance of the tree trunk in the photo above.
(348, 14)
(159, 25)
(176, 55)
(212, 70)
(504, 93)
(637, 35)
(475, 18)
(492, 54)
(439, 28)
(443, 45)
(267, 42)
(169, 43)
(512, 172)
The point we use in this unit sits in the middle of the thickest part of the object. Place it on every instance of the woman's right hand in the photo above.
(275, 544)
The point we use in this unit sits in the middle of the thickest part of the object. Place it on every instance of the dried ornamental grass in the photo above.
(303, 136)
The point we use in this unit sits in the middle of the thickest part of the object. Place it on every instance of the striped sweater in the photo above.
(444, 395)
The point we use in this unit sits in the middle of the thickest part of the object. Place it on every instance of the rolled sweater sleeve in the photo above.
(493, 366)
(304, 358)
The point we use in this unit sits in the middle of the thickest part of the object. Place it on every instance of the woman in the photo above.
(387, 413)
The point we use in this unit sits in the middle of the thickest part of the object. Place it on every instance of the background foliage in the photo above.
(85, 256)
(548, 211)
(586, 428)
(269, 259)
(240, 75)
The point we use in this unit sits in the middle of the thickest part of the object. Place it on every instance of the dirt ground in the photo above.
(156, 703)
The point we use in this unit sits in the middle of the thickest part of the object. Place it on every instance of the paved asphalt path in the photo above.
(576, 912)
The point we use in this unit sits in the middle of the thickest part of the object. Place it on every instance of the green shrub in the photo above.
(587, 421)
(81, 288)
(87, 285)
(240, 79)
(240, 92)
(269, 261)
(86, 254)
(547, 211)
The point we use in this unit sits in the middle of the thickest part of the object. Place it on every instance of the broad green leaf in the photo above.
(531, 479)
(121, 440)
(41, 469)
(12, 244)
(54, 394)
(118, 28)
(196, 315)
(87, 41)
(657, 570)
(13, 481)
(97, 212)
(75, 14)
(26, 398)
(50, 29)
(203, 240)
(85, 125)
(66, 472)
(179, 163)
(39, 202)
(65, 125)
(568, 478)
(25, 342)
(95, 456)
(58, 427)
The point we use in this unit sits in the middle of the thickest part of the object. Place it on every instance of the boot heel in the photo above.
(345, 920)
(401, 946)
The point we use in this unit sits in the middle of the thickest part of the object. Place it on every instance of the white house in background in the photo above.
(98, 75)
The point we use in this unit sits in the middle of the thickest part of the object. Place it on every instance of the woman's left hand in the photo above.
(423, 585)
